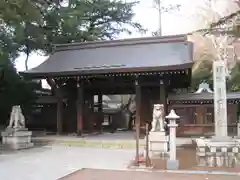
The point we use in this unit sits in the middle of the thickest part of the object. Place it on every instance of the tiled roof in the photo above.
(113, 56)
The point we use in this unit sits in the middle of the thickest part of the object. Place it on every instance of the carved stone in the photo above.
(158, 118)
(17, 119)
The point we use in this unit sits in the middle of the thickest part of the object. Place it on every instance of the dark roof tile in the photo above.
(116, 55)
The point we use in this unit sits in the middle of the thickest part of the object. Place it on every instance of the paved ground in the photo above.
(93, 174)
(53, 162)
(105, 137)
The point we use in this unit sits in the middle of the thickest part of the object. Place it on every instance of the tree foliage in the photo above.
(28, 26)
(216, 26)
(35, 25)
(13, 90)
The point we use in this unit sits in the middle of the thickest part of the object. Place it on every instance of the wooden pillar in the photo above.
(57, 92)
(163, 100)
(138, 118)
(59, 116)
(163, 97)
(91, 112)
(100, 99)
(144, 107)
(200, 114)
(80, 109)
(100, 111)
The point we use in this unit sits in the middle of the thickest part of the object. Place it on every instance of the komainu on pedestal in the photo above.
(158, 141)
(16, 136)
(158, 118)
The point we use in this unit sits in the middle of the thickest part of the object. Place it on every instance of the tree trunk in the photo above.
(26, 62)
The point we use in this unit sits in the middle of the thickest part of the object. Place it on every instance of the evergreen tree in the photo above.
(28, 26)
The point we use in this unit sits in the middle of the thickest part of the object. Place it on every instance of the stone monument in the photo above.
(16, 136)
(158, 141)
(220, 150)
(220, 100)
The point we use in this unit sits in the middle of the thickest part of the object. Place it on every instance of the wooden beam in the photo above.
(119, 84)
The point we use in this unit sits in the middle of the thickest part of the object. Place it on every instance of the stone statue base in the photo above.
(238, 130)
(16, 139)
(158, 143)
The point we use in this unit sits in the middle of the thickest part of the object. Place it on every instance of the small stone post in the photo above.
(172, 162)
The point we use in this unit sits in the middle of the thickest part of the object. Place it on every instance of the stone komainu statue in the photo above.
(17, 119)
(158, 117)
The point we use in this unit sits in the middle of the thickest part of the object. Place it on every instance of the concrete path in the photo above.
(53, 162)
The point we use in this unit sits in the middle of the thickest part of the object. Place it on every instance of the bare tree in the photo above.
(232, 19)
(157, 4)
(205, 48)
(212, 16)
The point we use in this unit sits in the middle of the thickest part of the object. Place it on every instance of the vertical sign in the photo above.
(220, 98)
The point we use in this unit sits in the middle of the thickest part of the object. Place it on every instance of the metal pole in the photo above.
(137, 145)
(147, 160)
(159, 18)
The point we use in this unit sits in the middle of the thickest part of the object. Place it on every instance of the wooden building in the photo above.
(148, 67)
(196, 111)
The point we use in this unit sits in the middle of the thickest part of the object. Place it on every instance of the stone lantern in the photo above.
(172, 162)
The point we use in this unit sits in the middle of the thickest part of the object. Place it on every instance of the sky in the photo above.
(181, 21)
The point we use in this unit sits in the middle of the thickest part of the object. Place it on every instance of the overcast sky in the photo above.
(175, 22)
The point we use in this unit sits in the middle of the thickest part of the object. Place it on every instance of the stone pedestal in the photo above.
(214, 153)
(238, 130)
(158, 143)
(16, 139)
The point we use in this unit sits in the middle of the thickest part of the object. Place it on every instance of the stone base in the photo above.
(172, 164)
(158, 143)
(17, 139)
(224, 139)
(218, 152)
(238, 130)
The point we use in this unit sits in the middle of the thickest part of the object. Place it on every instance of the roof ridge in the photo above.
(121, 42)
